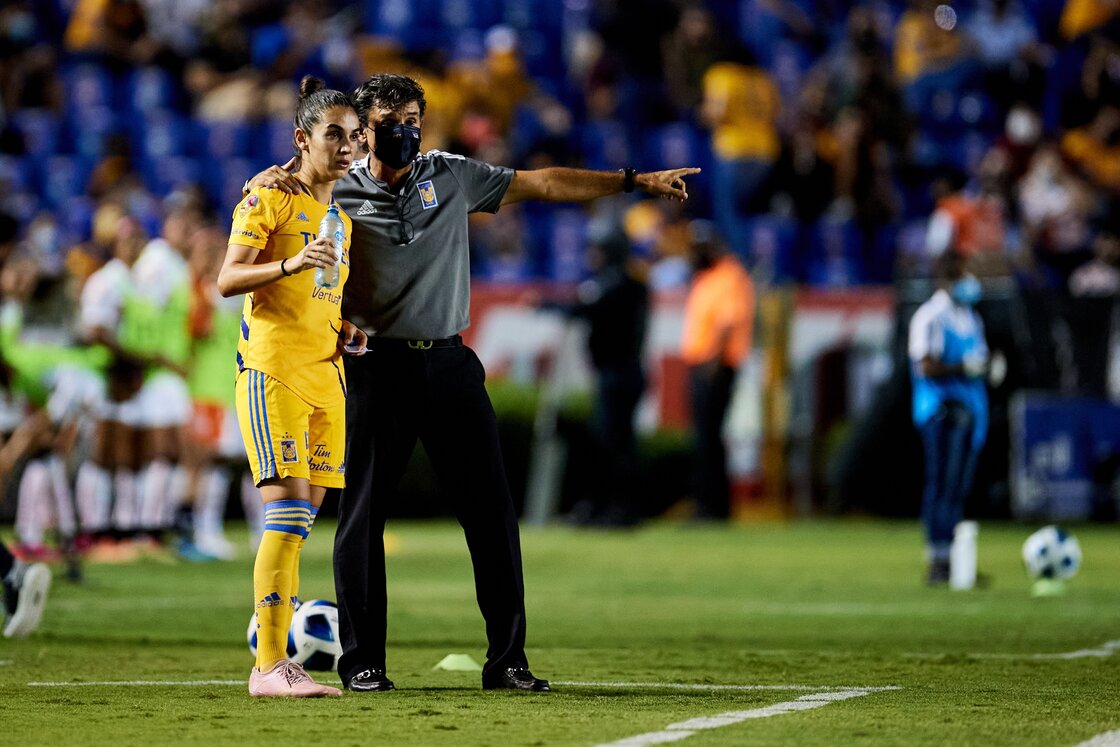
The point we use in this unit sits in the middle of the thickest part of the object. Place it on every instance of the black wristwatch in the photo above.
(628, 179)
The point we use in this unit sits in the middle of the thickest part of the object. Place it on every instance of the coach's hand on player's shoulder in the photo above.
(319, 253)
(668, 184)
(277, 177)
(351, 339)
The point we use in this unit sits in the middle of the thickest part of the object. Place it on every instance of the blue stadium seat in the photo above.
(673, 145)
(92, 127)
(88, 86)
(77, 218)
(16, 174)
(567, 241)
(835, 256)
(223, 181)
(151, 88)
(605, 145)
(772, 248)
(272, 141)
(467, 14)
(163, 175)
(40, 129)
(220, 140)
(268, 43)
(160, 133)
(64, 180)
(413, 23)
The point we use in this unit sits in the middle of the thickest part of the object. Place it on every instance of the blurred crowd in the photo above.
(830, 131)
(843, 143)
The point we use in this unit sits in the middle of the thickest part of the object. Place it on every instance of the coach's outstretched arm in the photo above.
(559, 184)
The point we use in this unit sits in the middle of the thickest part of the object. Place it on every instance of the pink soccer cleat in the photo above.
(288, 680)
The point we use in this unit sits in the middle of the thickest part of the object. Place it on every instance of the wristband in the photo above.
(284, 272)
(628, 174)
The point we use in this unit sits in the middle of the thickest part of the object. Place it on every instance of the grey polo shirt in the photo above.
(409, 255)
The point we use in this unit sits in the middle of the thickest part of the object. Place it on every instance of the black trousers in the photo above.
(710, 394)
(395, 396)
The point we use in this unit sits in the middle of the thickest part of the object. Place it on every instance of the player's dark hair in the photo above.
(948, 266)
(386, 91)
(314, 100)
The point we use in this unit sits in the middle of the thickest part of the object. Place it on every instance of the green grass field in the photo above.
(807, 608)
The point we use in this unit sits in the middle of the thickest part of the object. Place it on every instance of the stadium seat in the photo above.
(605, 145)
(567, 241)
(771, 252)
(272, 141)
(835, 256)
(220, 140)
(88, 86)
(223, 181)
(151, 88)
(163, 175)
(64, 180)
(40, 129)
(92, 128)
(159, 134)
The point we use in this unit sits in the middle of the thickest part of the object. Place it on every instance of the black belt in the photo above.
(396, 343)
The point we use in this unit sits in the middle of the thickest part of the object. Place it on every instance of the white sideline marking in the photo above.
(1108, 739)
(701, 686)
(5, 662)
(1104, 650)
(139, 683)
(684, 729)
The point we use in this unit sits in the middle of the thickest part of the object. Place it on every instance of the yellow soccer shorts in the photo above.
(287, 437)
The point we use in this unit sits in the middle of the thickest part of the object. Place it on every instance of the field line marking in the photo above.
(684, 729)
(1108, 739)
(703, 686)
(1106, 649)
(5, 662)
(139, 683)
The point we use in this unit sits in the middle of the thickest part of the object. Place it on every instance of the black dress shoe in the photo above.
(514, 678)
(370, 681)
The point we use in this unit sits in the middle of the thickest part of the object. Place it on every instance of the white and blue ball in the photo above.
(252, 636)
(315, 635)
(1051, 553)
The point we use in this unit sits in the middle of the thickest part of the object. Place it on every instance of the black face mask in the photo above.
(396, 145)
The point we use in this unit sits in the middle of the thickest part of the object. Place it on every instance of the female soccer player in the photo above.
(291, 390)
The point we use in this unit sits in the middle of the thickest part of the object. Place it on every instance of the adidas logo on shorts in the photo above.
(367, 208)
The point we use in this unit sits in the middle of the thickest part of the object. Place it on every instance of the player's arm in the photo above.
(241, 272)
(559, 184)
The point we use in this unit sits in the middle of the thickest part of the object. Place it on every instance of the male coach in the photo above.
(409, 289)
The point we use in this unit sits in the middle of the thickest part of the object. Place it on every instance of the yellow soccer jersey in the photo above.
(289, 327)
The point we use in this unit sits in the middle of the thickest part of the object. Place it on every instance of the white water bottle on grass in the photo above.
(332, 228)
(962, 556)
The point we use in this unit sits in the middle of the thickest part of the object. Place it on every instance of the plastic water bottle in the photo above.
(332, 228)
(962, 556)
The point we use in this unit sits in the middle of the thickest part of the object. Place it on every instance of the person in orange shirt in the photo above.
(716, 340)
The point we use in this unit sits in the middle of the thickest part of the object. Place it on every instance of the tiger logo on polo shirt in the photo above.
(427, 192)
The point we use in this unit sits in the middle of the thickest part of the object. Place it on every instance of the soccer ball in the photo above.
(252, 636)
(315, 632)
(1051, 553)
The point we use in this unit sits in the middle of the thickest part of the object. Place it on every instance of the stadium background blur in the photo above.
(859, 140)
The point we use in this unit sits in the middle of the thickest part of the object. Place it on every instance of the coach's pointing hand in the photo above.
(668, 184)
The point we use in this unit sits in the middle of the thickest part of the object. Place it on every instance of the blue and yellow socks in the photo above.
(286, 524)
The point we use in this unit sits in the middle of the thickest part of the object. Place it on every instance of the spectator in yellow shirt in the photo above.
(740, 105)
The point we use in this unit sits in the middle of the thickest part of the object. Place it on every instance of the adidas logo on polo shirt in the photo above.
(367, 208)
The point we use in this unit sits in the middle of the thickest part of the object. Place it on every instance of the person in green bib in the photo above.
(215, 452)
(154, 328)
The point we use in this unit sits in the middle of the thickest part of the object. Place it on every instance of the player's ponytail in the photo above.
(315, 99)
